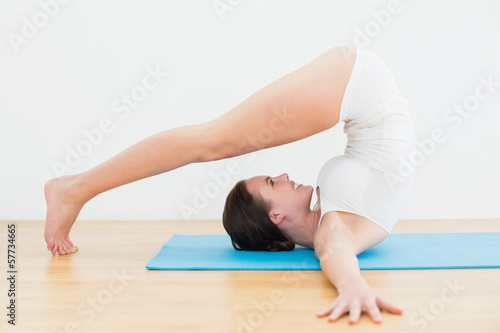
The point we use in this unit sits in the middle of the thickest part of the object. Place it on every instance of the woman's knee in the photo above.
(212, 145)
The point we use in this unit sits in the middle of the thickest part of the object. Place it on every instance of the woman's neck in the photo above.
(304, 235)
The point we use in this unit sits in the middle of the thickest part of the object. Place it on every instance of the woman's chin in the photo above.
(307, 188)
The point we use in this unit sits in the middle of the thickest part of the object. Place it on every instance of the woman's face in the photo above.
(285, 196)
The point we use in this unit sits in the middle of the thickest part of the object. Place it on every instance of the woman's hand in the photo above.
(354, 298)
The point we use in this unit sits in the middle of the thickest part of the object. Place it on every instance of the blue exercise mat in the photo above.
(397, 251)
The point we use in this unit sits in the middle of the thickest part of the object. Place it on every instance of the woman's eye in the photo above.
(272, 182)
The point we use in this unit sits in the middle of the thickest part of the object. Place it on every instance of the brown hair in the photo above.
(246, 220)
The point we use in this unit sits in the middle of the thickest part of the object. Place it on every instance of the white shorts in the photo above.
(371, 179)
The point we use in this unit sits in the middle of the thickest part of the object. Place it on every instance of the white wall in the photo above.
(68, 76)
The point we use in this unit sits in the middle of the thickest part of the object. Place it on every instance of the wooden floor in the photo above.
(105, 287)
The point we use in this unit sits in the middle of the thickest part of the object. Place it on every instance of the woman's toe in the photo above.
(69, 241)
(54, 249)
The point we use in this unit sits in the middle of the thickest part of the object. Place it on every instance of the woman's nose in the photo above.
(283, 177)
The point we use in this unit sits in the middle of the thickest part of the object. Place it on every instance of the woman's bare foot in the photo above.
(63, 208)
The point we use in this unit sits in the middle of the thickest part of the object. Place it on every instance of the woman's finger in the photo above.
(384, 305)
(337, 312)
(323, 312)
(354, 313)
(374, 312)
(326, 310)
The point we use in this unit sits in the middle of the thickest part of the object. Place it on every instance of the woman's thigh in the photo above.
(300, 104)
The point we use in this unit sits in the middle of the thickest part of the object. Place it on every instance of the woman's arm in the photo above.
(336, 243)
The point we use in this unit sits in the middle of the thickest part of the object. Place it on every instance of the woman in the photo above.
(360, 194)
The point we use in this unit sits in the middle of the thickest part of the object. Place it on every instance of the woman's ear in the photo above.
(276, 217)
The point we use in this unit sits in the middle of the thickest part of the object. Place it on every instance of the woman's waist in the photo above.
(388, 112)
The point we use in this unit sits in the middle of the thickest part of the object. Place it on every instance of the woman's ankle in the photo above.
(73, 190)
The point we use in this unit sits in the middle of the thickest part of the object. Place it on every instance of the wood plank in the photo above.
(105, 287)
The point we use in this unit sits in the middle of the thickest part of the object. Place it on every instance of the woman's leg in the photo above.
(300, 104)
(159, 153)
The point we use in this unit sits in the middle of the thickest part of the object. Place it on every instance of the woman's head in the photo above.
(256, 209)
